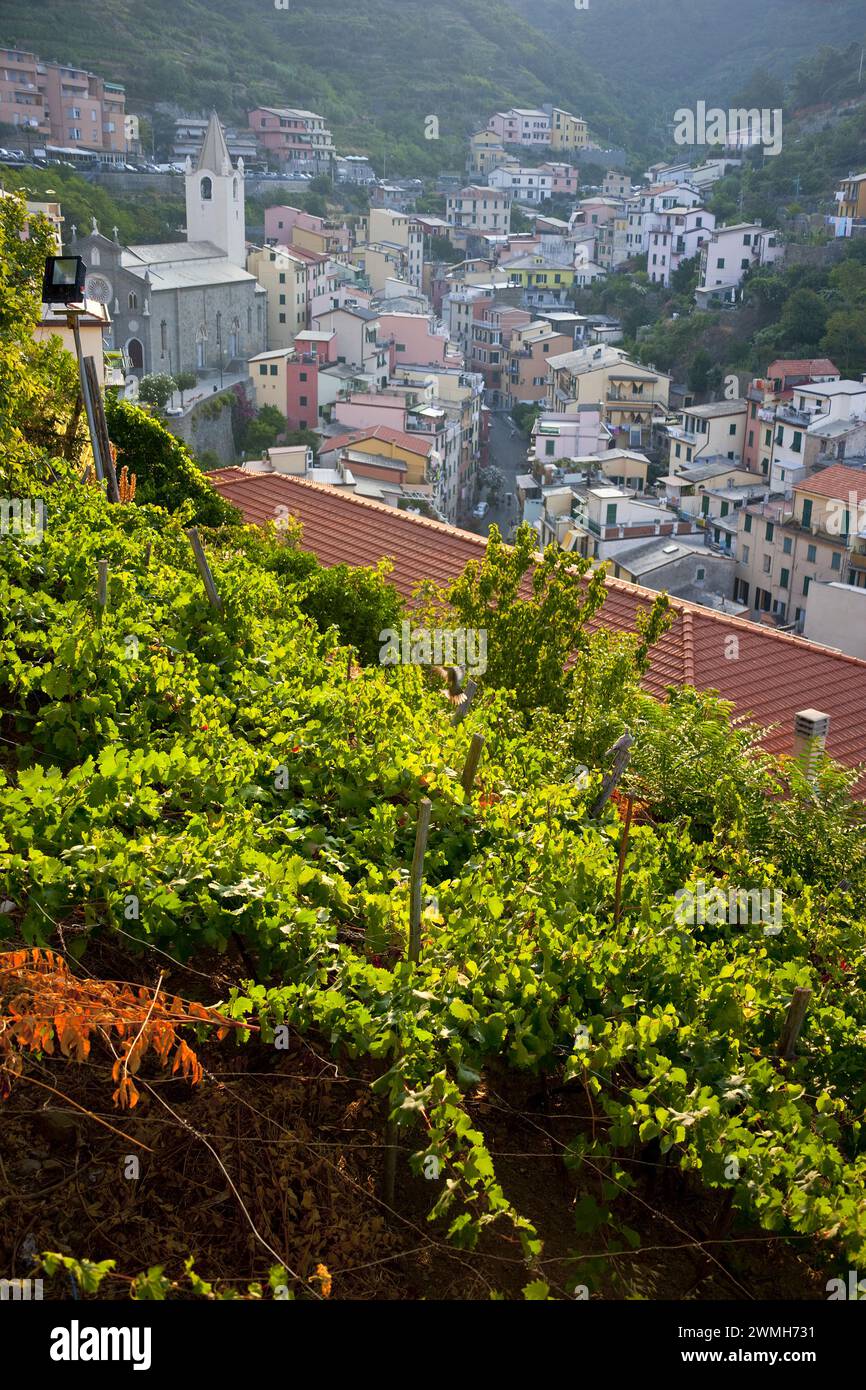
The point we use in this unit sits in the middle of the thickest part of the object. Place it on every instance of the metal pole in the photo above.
(72, 322)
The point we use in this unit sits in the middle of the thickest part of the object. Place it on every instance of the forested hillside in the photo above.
(669, 53)
(375, 70)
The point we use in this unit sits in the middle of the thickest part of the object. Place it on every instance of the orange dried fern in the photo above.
(45, 1008)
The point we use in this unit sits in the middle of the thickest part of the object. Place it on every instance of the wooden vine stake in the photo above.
(794, 1021)
(425, 806)
(102, 584)
(204, 569)
(470, 767)
(620, 752)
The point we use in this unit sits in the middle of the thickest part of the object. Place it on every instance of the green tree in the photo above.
(263, 430)
(699, 371)
(804, 319)
(845, 342)
(165, 471)
(185, 381)
(157, 389)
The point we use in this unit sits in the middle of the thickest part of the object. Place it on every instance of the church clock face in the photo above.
(98, 287)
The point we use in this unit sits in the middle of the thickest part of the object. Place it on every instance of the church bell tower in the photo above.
(215, 197)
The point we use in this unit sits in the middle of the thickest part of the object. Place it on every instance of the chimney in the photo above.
(811, 727)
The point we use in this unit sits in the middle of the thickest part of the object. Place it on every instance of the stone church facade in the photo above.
(191, 305)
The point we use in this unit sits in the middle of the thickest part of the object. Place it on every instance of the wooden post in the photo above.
(462, 709)
(623, 846)
(470, 767)
(620, 752)
(794, 1021)
(101, 425)
(390, 1162)
(72, 322)
(425, 806)
(147, 550)
(102, 584)
(204, 569)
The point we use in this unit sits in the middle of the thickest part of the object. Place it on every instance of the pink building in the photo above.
(293, 137)
(83, 109)
(22, 103)
(521, 126)
(416, 341)
(565, 181)
(363, 411)
(280, 222)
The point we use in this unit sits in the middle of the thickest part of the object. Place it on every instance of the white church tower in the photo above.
(215, 197)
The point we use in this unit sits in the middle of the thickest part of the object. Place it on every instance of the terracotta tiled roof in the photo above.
(387, 432)
(801, 366)
(837, 481)
(768, 675)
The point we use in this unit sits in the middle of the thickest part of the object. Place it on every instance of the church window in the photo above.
(207, 189)
(133, 300)
(94, 257)
(235, 189)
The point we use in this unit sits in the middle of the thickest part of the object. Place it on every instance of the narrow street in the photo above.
(507, 452)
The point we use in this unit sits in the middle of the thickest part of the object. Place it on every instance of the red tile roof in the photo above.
(768, 675)
(837, 481)
(801, 366)
(387, 432)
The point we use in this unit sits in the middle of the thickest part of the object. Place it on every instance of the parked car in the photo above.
(480, 511)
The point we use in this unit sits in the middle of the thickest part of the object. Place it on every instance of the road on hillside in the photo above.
(507, 452)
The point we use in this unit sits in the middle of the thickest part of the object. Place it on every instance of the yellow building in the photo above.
(487, 152)
(633, 399)
(851, 197)
(567, 132)
(284, 276)
(530, 272)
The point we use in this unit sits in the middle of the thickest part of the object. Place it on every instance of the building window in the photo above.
(747, 522)
(746, 559)
(263, 369)
(206, 189)
(797, 442)
(807, 511)
(302, 400)
(133, 300)
(835, 560)
(769, 532)
(732, 429)
(787, 545)
(784, 579)
(806, 582)
(275, 370)
(282, 318)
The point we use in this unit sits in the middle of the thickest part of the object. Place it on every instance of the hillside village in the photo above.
(396, 367)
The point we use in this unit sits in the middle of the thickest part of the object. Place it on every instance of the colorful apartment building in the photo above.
(851, 197)
(567, 132)
(633, 399)
(785, 546)
(22, 99)
(288, 380)
(67, 106)
(284, 274)
(729, 254)
(486, 152)
(765, 393)
(529, 350)
(521, 125)
(492, 326)
(479, 209)
(292, 138)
